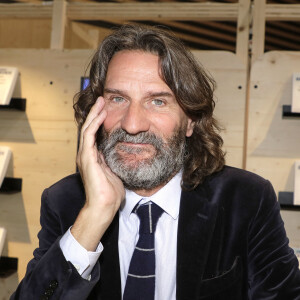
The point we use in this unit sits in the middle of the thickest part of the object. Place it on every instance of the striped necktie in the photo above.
(140, 283)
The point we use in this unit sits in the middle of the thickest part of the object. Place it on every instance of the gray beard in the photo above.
(147, 173)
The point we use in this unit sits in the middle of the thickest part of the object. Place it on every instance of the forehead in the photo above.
(134, 65)
(132, 57)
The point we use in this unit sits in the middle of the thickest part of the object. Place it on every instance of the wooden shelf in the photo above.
(287, 112)
(11, 185)
(290, 207)
(15, 104)
(286, 200)
(8, 266)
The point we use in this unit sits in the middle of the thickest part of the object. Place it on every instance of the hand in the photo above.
(104, 190)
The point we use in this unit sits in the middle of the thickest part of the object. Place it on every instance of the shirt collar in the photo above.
(168, 198)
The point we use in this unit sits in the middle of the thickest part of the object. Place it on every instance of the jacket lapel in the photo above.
(109, 285)
(195, 228)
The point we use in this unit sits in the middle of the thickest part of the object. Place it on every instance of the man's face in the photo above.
(144, 123)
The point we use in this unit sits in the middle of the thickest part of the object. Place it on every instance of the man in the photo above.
(146, 124)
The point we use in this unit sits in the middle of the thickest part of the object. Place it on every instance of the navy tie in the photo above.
(140, 283)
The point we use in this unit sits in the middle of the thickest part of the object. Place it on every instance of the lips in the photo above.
(135, 148)
(128, 144)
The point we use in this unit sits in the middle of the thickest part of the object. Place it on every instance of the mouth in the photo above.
(135, 145)
(128, 148)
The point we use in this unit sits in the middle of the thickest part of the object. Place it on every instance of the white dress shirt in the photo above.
(168, 198)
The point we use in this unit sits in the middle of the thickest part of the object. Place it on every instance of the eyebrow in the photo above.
(149, 94)
(160, 94)
(114, 91)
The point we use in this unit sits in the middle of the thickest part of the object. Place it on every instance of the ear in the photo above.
(190, 127)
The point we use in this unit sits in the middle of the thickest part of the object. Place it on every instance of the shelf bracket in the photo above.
(11, 185)
(16, 104)
(287, 112)
(8, 266)
(286, 200)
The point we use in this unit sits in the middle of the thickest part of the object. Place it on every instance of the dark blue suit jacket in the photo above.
(231, 245)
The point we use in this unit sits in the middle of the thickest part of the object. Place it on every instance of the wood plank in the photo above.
(26, 10)
(126, 11)
(90, 36)
(283, 12)
(242, 52)
(25, 33)
(242, 35)
(138, 11)
(259, 24)
(58, 24)
(152, 11)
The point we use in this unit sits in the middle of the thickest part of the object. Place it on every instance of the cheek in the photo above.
(111, 120)
(165, 124)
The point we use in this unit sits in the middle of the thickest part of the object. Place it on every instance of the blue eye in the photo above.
(158, 102)
(118, 99)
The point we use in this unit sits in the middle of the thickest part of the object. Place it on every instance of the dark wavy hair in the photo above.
(191, 85)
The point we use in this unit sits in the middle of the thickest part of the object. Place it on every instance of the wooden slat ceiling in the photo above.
(209, 35)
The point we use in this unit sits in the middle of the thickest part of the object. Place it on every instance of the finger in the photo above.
(93, 113)
(87, 148)
(89, 135)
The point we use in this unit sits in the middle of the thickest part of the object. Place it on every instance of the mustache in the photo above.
(120, 135)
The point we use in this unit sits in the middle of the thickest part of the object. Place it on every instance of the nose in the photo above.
(135, 119)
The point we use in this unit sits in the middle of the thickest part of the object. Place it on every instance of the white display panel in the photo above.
(5, 155)
(297, 183)
(296, 93)
(2, 238)
(8, 79)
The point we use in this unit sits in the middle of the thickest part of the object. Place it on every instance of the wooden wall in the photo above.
(35, 33)
(43, 141)
(274, 141)
(25, 33)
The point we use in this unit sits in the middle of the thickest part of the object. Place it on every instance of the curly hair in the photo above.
(191, 85)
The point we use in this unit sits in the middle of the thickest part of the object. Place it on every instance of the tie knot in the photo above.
(148, 214)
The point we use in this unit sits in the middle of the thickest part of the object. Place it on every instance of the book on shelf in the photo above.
(8, 80)
(5, 155)
(296, 93)
(297, 183)
(2, 238)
